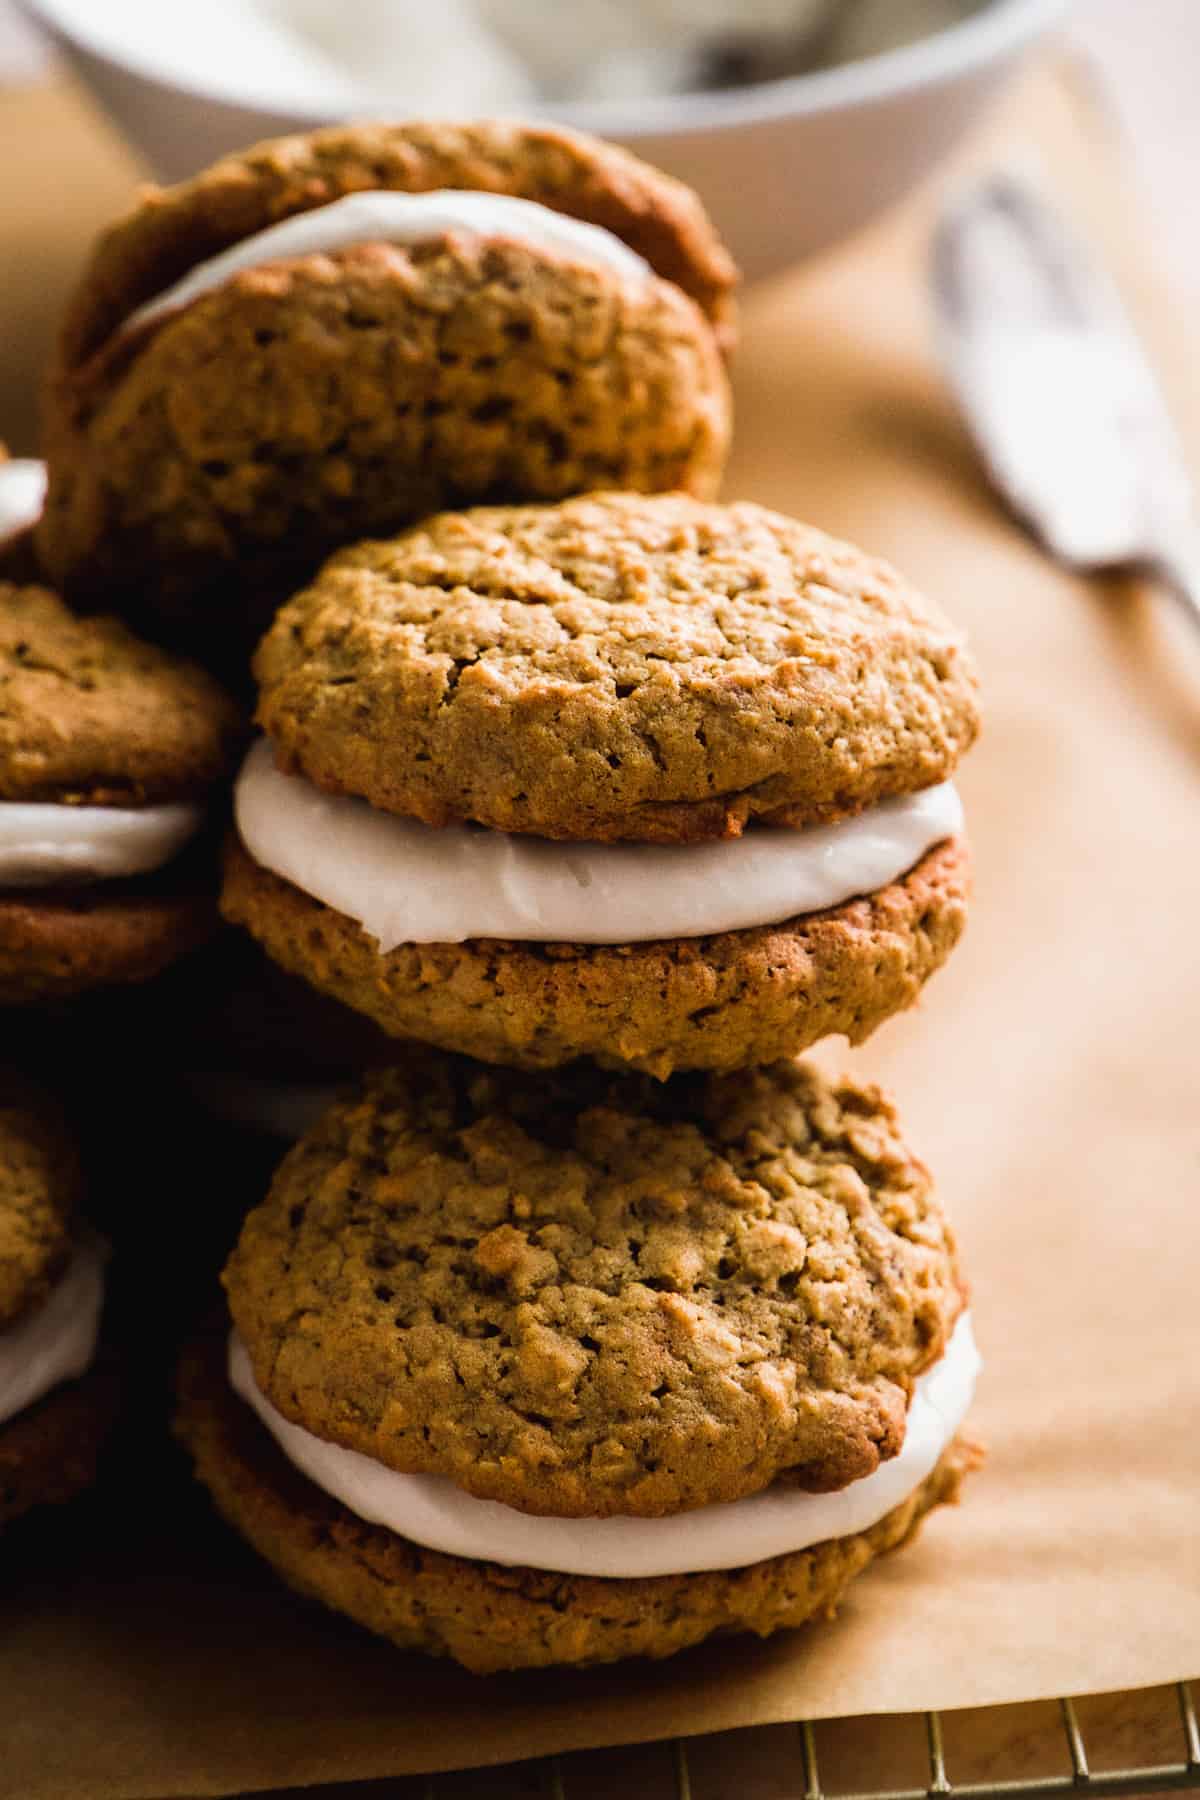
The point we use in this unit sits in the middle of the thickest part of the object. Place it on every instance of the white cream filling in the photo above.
(408, 883)
(378, 216)
(47, 845)
(56, 1342)
(22, 494)
(431, 1510)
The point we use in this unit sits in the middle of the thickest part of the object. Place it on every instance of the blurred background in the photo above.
(748, 100)
(1147, 56)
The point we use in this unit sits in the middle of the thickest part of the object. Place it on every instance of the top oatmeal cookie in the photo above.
(617, 666)
(582, 1294)
(205, 458)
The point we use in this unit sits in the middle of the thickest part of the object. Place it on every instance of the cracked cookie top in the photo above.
(92, 715)
(619, 666)
(583, 1294)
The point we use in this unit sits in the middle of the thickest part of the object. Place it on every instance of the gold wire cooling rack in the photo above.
(683, 1769)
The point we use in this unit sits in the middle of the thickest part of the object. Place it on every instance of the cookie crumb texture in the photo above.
(489, 1617)
(40, 1188)
(587, 1295)
(309, 403)
(49, 1452)
(620, 666)
(90, 715)
(723, 1002)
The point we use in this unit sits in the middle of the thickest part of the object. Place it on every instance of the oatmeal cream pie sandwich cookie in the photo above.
(109, 753)
(57, 1394)
(333, 335)
(561, 1369)
(638, 778)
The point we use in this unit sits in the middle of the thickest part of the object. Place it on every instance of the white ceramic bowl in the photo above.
(785, 167)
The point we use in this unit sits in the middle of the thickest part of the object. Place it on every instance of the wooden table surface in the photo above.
(67, 172)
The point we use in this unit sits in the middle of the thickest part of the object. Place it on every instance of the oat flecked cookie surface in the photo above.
(619, 667)
(486, 1616)
(220, 452)
(616, 667)
(588, 1295)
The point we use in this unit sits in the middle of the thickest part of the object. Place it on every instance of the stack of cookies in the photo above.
(111, 751)
(537, 1367)
(589, 1321)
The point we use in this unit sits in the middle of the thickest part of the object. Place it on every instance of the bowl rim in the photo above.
(993, 34)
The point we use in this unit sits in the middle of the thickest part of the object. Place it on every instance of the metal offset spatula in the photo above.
(1055, 386)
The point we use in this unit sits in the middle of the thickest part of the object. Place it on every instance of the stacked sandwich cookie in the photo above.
(590, 1323)
(57, 1395)
(638, 778)
(560, 1369)
(110, 754)
(599, 1327)
(114, 756)
(333, 335)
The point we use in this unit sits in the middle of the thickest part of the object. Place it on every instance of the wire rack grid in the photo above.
(550, 1778)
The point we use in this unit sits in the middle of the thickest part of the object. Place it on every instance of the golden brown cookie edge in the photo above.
(724, 1002)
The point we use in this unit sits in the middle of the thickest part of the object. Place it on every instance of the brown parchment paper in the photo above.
(1050, 1079)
